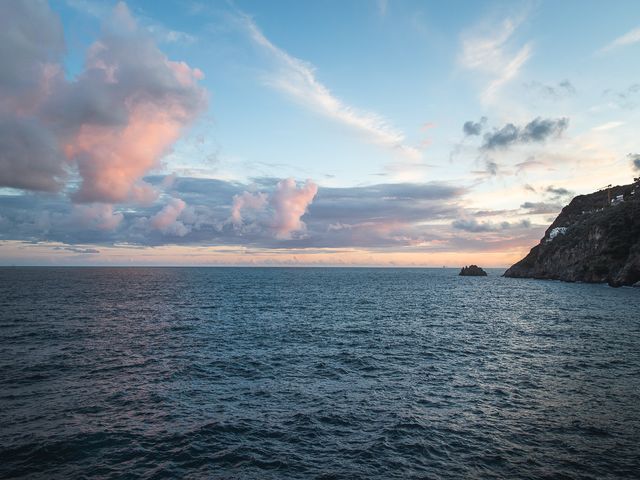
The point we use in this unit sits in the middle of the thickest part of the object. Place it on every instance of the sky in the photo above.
(359, 133)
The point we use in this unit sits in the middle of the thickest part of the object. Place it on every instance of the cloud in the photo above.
(503, 137)
(607, 126)
(247, 201)
(166, 220)
(629, 38)
(562, 90)
(97, 216)
(472, 225)
(100, 9)
(471, 128)
(541, 207)
(285, 206)
(31, 44)
(297, 79)
(30, 157)
(626, 98)
(530, 163)
(536, 131)
(490, 52)
(290, 203)
(78, 250)
(634, 158)
(293, 215)
(111, 124)
(491, 167)
(89, 7)
(558, 192)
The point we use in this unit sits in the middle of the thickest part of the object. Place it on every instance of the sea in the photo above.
(315, 373)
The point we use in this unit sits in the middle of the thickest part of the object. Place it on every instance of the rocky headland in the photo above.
(596, 238)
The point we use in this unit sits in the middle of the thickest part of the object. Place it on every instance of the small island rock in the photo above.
(472, 271)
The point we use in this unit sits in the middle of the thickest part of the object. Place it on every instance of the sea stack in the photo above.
(472, 271)
(595, 239)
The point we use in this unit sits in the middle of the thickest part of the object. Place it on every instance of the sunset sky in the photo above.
(307, 133)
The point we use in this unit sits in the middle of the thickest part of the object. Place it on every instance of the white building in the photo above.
(618, 199)
(555, 232)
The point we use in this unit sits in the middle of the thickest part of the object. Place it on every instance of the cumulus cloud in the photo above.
(634, 158)
(31, 45)
(111, 124)
(166, 220)
(98, 216)
(471, 128)
(30, 157)
(536, 131)
(290, 203)
(247, 201)
(285, 206)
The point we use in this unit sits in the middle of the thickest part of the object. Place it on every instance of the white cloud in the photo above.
(628, 38)
(490, 52)
(607, 126)
(297, 79)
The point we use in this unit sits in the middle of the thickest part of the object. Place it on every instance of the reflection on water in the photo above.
(298, 373)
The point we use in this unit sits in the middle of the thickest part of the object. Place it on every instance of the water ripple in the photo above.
(315, 373)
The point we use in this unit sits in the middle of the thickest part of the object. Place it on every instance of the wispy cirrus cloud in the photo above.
(100, 10)
(629, 38)
(490, 50)
(297, 79)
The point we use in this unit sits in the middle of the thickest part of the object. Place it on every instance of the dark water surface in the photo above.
(315, 373)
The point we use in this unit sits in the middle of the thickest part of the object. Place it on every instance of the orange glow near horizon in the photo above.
(18, 253)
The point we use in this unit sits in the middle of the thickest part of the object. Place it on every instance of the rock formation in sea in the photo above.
(596, 238)
(472, 271)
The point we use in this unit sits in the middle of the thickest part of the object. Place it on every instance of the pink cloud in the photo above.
(290, 203)
(282, 209)
(166, 220)
(112, 124)
(247, 201)
(98, 216)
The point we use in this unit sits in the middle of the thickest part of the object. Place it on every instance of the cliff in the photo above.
(592, 240)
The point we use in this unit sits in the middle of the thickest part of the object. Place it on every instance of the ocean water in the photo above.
(315, 373)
